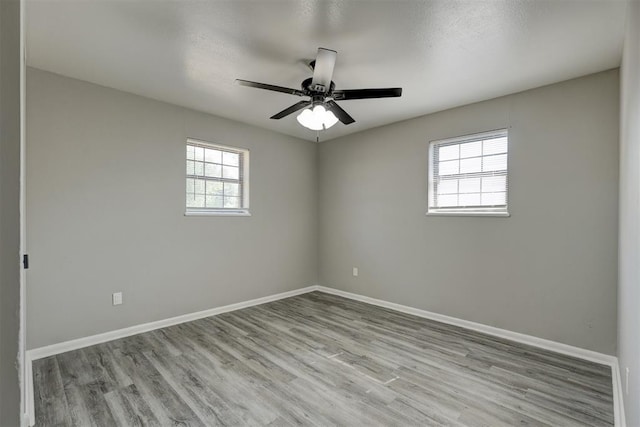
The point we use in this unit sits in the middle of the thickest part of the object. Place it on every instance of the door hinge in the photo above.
(25, 261)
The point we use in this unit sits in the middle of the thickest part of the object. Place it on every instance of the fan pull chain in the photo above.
(317, 137)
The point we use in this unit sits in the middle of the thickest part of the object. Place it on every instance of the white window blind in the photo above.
(216, 178)
(469, 174)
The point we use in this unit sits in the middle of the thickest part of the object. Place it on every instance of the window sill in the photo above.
(240, 212)
(476, 214)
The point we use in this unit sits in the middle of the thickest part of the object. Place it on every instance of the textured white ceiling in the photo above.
(444, 53)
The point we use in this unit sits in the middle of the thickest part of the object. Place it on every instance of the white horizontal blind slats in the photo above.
(469, 174)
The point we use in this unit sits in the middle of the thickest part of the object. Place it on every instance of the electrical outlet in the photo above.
(626, 381)
(355, 271)
(117, 298)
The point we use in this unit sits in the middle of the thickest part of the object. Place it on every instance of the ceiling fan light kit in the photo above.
(321, 111)
(318, 118)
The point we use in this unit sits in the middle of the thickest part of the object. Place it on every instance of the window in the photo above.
(217, 179)
(468, 174)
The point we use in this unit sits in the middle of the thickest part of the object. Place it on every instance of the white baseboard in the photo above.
(63, 347)
(30, 418)
(618, 404)
(554, 346)
(557, 347)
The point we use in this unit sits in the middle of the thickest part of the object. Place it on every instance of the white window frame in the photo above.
(495, 211)
(243, 181)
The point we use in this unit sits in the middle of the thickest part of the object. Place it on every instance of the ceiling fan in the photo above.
(321, 111)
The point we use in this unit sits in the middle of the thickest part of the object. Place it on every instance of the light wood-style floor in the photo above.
(319, 359)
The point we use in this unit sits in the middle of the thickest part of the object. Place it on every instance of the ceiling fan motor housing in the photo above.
(316, 89)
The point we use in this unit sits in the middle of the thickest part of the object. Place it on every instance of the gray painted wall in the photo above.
(105, 214)
(9, 212)
(550, 270)
(105, 204)
(629, 274)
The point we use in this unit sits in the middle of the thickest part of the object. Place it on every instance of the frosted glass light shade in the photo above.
(317, 118)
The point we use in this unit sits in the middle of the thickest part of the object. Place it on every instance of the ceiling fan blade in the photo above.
(270, 87)
(323, 68)
(342, 115)
(295, 107)
(345, 95)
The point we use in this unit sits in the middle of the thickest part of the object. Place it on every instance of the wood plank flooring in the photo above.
(319, 359)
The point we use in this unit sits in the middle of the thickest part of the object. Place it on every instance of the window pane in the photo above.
(230, 172)
(190, 200)
(471, 165)
(451, 167)
(448, 186)
(198, 186)
(231, 202)
(449, 152)
(494, 183)
(495, 146)
(471, 149)
(212, 170)
(199, 153)
(195, 200)
(493, 199)
(214, 188)
(232, 159)
(448, 200)
(198, 168)
(190, 168)
(190, 152)
(470, 185)
(214, 201)
(212, 156)
(231, 189)
(494, 163)
(471, 199)
(190, 186)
